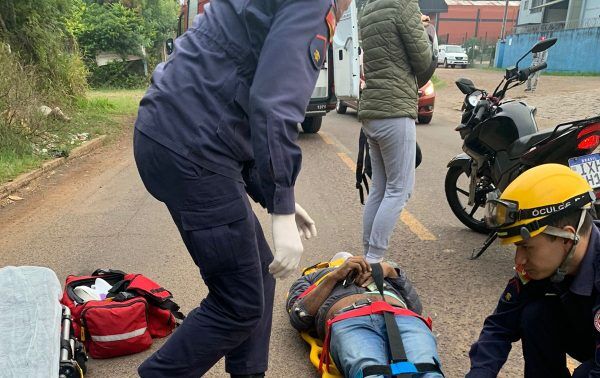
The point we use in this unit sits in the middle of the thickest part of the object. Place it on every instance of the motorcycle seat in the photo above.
(523, 144)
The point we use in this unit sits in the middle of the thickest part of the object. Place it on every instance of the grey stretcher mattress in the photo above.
(30, 315)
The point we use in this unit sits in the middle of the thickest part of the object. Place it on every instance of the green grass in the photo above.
(547, 73)
(487, 68)
(13, 164)
(102, 112)
(558, 73)
(438, 83)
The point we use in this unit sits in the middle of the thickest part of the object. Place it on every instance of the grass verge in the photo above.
(102, 112)
(438, 83)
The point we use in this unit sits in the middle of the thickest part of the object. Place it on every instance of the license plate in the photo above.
(589, 167)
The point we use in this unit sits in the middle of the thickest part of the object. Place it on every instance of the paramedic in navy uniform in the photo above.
(219, 120)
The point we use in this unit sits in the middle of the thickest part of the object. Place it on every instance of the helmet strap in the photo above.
(561, 272)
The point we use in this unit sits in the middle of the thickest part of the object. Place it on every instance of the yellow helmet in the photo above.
(535, 199)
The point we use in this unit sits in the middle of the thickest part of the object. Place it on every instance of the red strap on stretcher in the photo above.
(374, 308)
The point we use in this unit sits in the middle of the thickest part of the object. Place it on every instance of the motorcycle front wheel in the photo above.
(457, 194)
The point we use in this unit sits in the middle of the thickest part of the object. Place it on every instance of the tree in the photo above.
(124, 27)
(110, 28)
(37, 32)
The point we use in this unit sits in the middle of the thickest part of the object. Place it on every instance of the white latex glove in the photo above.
(306, 226)
(287, 231)
(287, 244)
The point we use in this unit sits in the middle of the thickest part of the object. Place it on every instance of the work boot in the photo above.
(258, 375)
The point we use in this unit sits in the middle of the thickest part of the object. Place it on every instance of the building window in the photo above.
(534, 4)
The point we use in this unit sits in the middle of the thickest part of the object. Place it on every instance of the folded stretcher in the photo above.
(37, 334)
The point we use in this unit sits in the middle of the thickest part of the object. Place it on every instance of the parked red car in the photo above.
(426, 102)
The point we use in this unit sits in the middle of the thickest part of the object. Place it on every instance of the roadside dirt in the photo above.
(558, 99)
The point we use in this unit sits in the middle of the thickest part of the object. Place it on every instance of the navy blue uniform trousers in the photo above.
(226, 241)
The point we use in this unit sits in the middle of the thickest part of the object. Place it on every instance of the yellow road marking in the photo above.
(415, 226)
(347, 160)
(326, 138)
(406, 217)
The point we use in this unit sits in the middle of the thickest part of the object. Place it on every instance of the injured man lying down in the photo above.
(368, 317)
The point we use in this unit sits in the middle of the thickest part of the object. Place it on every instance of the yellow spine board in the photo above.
(316, 345)
(315, 357)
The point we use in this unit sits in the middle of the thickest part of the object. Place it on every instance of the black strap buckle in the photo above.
(361, 303)
(358, 304)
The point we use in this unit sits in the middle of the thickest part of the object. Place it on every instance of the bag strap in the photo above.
(173, 308)
(363, 166)
(164, 303)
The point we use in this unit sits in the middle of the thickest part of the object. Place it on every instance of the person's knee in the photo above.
(246, 314)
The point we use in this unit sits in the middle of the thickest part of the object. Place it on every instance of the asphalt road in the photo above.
(96, 213)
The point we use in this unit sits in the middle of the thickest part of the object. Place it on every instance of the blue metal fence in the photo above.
(577, 50)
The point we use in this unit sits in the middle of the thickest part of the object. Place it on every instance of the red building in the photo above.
(466, 19)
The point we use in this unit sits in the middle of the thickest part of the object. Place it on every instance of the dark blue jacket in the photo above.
(401, 286)
(231, 95)
(581, 296)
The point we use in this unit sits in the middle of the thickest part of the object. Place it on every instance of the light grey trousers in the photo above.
(532, 81)
(392, 144)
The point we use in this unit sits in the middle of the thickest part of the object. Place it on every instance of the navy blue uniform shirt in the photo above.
(231, 95)
(580, 296)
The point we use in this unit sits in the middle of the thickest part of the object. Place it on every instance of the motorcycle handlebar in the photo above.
(524, 74)
(480, 111)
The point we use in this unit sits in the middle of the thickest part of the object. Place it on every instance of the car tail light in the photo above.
(428, 89)
(589, 137)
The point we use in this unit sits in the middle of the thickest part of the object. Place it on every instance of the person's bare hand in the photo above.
(356, 264)
(364, 280)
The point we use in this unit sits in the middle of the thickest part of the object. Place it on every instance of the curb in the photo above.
(26, 178)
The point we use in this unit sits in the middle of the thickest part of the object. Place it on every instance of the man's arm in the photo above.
(595, 370)
(252, 184)
(413, 35)
(309, 292)
(293, 305)
(489, 353)
(285, 77)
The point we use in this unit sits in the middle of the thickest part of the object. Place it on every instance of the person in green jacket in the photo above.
(396, 49)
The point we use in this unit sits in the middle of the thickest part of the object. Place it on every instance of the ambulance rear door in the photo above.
(346, 65)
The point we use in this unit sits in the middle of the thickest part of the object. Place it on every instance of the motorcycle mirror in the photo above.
(465, 85)
(539, 47)
(543, 45)
(510, 72)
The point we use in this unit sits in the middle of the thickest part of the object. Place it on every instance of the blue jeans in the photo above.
(362, 341)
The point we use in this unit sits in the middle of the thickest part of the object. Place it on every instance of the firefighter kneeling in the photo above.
(553, 303)
(367, 315)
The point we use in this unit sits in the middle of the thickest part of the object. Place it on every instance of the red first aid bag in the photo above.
(136, 310)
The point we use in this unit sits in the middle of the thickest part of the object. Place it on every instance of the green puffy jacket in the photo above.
(395, 47)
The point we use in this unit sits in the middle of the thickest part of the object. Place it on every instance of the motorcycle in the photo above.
(501, 140)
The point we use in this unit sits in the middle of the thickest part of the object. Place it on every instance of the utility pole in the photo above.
(502, 35)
